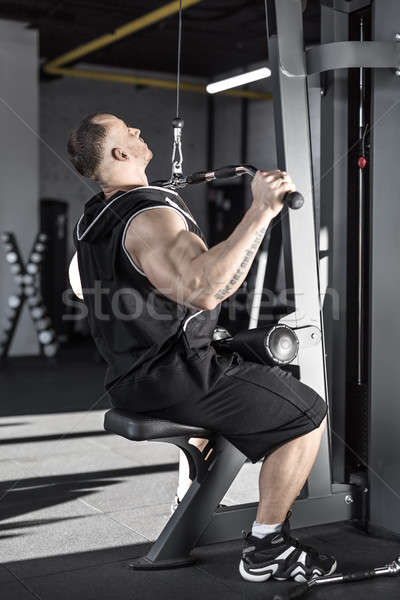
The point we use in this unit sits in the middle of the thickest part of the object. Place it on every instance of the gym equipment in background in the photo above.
(27, 279)
(226, 207)
(390, 570)
(54, 275)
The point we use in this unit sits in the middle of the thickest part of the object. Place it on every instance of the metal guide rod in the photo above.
(361, 222)
(287, 59)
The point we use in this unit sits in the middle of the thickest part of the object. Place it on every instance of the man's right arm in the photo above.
(178, 263)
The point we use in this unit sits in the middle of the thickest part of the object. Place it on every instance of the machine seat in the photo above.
(140, 428)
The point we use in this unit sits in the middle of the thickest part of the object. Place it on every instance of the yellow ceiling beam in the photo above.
(166, 84)
(121, 32)
(57, 66)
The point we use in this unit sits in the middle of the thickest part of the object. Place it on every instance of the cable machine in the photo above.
(331, 493)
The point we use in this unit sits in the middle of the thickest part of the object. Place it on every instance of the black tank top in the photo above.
(157, 351)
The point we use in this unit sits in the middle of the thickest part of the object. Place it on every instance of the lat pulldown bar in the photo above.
(293, 200)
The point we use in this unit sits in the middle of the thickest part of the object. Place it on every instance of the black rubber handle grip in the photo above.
(222, 173)
(198, 177)
(294, 200)
(226, 172)
(296, 592)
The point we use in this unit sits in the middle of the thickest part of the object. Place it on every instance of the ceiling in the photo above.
(218, 35)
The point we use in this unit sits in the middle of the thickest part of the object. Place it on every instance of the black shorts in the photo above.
(256, 407)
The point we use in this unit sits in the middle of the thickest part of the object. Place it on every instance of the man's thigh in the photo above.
(256, 407)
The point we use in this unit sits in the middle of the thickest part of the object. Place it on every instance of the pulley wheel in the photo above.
(281, 344)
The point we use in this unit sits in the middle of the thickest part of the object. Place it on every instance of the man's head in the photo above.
(104, 148)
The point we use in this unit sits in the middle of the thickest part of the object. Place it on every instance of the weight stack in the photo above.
(357, 426)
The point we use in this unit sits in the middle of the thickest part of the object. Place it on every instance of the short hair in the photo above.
(86, 146)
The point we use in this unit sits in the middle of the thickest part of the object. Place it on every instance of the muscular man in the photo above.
(153, 291)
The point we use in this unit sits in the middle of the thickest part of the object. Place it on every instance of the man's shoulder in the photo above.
(154, 220)
(139, 202)
(141, 197)
(152, 191)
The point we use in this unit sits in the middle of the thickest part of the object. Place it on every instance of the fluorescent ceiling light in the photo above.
(231, 82)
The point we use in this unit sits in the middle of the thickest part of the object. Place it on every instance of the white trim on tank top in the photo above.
(143, 187)
(128, 223)
(186, 323)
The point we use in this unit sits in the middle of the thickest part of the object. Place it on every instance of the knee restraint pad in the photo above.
(274, 345)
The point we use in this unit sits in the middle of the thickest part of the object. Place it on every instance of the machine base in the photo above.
(144, 564)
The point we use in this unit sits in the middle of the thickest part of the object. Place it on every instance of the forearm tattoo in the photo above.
(248, 257)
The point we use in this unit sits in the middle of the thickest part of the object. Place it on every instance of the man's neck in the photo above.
(113, 188)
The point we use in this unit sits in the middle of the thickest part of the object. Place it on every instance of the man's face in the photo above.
(127, 138)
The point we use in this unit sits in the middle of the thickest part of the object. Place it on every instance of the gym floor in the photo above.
(76, 504)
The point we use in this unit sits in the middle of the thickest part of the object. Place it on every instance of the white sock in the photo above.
(260, 530)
